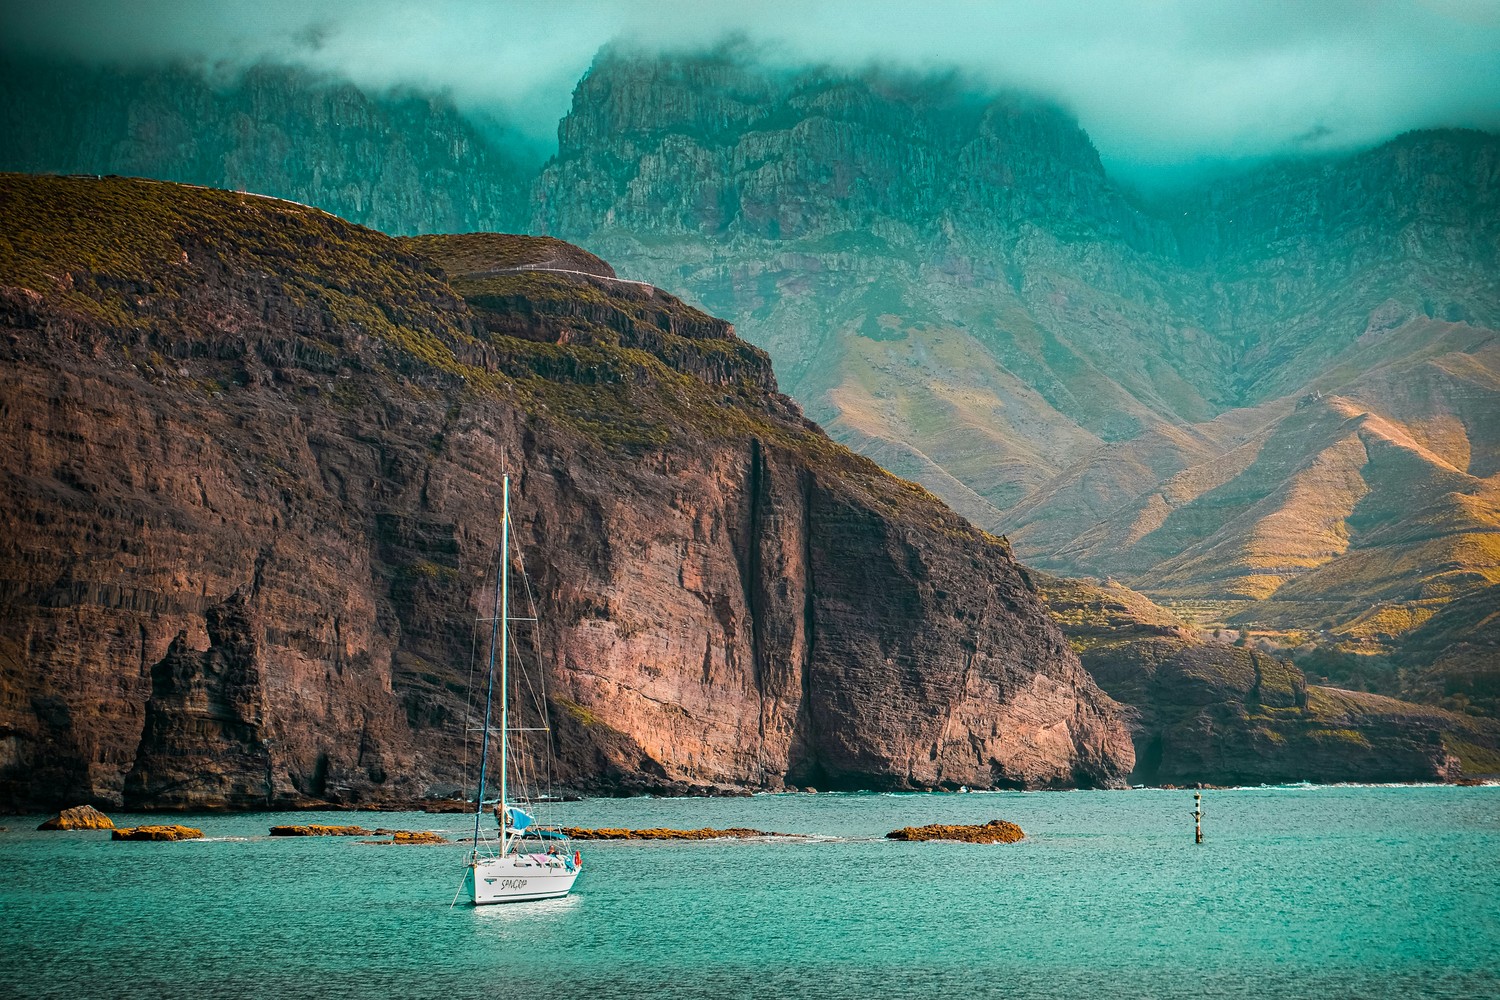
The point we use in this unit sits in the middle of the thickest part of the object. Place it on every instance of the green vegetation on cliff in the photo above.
(129, 253)
(473, 254)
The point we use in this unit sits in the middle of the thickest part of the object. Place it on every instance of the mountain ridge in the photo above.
(401, 160)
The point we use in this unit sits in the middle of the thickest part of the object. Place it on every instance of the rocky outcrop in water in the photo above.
(320, 830)
(996, 831)
(153, 832)
(79, 818)
(422, 837)
(252, 474)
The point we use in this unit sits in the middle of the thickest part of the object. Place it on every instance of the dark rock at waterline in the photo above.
(167, 832)
(447, 806)
(663, 833)
(319, 830)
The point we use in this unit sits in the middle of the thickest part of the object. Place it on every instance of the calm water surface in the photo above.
(1297, 892)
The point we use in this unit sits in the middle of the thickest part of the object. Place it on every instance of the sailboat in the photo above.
(529, 860)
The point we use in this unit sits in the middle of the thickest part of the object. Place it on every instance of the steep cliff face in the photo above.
(401, 161)
(718, 143)
(252, 483)
(207, 718)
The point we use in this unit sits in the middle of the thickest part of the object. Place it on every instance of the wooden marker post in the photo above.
(1197, 817)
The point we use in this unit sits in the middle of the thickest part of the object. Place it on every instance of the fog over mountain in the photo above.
(1165, 89)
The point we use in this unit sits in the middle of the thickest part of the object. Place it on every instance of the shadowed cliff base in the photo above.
(252, 474)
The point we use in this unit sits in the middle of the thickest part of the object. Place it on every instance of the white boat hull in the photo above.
(517, 879)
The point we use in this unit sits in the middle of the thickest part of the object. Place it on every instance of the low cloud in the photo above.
(1162, 87)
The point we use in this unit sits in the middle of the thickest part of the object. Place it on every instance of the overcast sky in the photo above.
(1158, 84)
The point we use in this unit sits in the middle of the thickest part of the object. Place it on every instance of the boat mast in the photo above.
(504, 650)
(496, 631)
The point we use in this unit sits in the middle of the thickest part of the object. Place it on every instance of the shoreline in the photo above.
(1487, 781)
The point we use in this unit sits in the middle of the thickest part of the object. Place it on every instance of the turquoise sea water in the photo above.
(1297, 892)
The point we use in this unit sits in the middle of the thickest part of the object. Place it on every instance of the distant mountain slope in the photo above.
(1304, 261)
(951, 282)
(1366, 495)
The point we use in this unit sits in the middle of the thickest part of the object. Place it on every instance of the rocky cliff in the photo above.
(1458, 651)
(1202, 709)
(1270, 402)
(251, 479)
